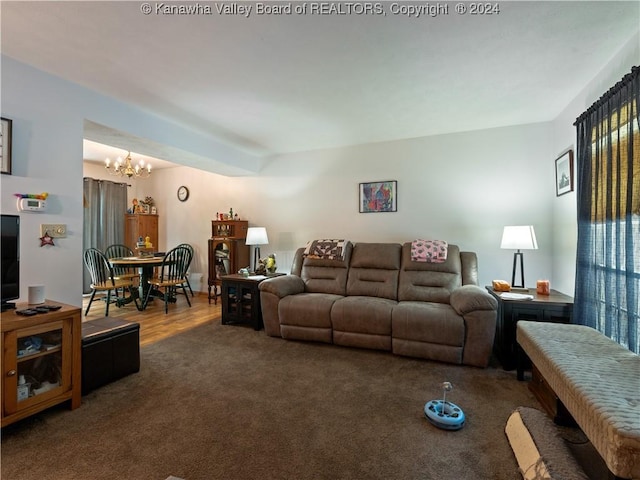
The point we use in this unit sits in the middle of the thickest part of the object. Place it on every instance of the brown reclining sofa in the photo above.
(375, 296)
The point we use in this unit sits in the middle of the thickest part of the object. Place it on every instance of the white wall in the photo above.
(564, 208)
(462, 188)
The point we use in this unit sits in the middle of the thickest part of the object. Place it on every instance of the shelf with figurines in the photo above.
(143, 207)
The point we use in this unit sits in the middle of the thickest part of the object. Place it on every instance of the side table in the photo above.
(241, 300)
(555, 307)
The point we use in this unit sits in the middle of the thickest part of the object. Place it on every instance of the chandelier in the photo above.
(124, 168)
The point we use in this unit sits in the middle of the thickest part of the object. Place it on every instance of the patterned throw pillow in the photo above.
(327, 249)
(433, 251)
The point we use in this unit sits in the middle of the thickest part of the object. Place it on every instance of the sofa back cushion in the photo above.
(373, 270)
(426, 281)
(321, 275)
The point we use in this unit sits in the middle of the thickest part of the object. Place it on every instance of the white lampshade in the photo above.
(521, 237)
(257, 236)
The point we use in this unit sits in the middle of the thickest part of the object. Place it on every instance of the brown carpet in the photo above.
(226, 402)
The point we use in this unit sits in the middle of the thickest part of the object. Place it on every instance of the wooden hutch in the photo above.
(227, 252)
(140, 225)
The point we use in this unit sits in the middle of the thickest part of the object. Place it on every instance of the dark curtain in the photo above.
(608, 195)
(105, 204)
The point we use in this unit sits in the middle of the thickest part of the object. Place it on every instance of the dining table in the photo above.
(145, 266)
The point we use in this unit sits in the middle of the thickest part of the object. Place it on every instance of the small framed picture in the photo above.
(154, 211)
(145, 209)
(564, 173)
(378, 197)
(5, 146)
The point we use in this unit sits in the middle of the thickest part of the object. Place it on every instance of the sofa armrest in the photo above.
(282, 286)
(272, 290)
(479, 310)
(469, 298)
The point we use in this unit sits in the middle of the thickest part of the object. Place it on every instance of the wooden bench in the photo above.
(597, 380)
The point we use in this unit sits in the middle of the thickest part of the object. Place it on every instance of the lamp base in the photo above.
(517, 255)
(256, 257)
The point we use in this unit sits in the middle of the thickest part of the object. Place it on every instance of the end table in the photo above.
(555, 307)
(241, 299)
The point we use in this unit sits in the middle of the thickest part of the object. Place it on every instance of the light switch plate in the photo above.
(55, 230)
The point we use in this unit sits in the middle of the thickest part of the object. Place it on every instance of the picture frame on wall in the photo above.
(376, 197)
(5, 146)
(564, 173)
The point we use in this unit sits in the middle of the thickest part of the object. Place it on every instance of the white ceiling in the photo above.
(270, 84)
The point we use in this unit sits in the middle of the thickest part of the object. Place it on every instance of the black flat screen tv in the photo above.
(10, 261)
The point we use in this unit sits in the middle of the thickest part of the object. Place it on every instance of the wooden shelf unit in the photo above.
(227, 252)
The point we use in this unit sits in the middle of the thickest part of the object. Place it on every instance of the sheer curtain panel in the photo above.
(607, 294)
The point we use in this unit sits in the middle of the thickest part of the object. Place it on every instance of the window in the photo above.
(608, 194)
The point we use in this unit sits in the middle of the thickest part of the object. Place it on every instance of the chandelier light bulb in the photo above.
(124, 168)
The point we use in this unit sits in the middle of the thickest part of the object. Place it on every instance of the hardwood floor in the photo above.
(155, 325)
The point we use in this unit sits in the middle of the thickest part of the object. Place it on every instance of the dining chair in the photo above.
(172, 276)
(190, 248)
(103, 279)
(119, 251)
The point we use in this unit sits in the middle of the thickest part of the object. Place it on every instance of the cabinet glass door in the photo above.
(223, 259)
(38, 365)
(40, 362)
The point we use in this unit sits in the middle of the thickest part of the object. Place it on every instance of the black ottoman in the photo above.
(110, 350)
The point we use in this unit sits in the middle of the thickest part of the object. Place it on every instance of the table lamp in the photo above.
(521, 237)
(256, 236)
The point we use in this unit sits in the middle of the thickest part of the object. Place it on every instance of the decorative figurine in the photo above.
(261, 268)
(270, 263)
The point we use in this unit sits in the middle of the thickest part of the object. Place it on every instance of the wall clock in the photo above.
(183, 193)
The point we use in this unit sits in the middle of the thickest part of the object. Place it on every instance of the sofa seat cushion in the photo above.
(307, 316)
(428, 330)
(363, 322)
(428, 322)
(363, 315)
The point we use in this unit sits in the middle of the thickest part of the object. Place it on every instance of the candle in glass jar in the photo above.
(543, 287)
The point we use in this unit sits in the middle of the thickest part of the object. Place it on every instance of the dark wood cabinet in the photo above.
(227, 252)
(555, 307)
(241, 300)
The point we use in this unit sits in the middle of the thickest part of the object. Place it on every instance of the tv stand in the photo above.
(51, 370)
(7, 306)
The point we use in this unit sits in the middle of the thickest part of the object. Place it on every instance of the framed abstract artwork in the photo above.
(564, 173)
(5, 146)
(378, 197)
